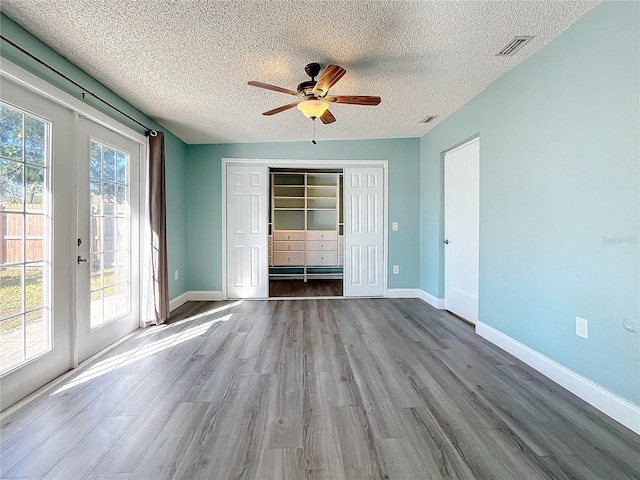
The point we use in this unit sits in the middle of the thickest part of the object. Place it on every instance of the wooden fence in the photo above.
(11, 223)
(12, 218)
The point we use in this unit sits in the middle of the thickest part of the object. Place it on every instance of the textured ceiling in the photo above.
(186, 63)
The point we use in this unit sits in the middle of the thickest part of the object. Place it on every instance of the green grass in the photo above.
(11, 292)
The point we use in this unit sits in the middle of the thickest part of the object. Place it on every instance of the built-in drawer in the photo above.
(322, 258)
(322, 235)
(322, 245)
(288, 235)
(284, 246)
(288, 258)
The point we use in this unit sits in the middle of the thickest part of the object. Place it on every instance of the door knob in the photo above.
(446, 242)
(82, 260)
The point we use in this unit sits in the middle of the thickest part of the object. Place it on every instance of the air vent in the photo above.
(514, 45)
(430, 118)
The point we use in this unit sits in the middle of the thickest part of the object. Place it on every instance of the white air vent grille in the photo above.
(514, 45)
(430, 118)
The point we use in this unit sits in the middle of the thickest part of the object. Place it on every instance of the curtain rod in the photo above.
(150, 132)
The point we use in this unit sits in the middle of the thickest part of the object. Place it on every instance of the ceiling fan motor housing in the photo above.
(306, 88)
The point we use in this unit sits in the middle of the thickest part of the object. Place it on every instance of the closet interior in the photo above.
(306, 241)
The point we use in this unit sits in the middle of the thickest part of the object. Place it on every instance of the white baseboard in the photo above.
(179, 300)
(618, 408)
(206, 296)
(403, 293)
(435, 302)
(196, 296)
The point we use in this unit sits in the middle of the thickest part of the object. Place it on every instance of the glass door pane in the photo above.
(110, 246)
(25, 260)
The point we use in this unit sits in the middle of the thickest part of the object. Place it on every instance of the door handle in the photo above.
(446, 242)
(82, 260)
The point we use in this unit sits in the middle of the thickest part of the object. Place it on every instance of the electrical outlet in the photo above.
(394, 226)
(582, 327)
(396, 269)
(175, 275)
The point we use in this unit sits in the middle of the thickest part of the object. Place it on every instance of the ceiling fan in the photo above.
(316, 101)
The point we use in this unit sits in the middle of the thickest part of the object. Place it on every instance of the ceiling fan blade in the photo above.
(354, 99)
(280, 109)
(327, 117)
(328, 79)
(273, 87)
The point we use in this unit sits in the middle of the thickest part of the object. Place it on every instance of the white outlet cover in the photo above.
(176, 275)
(396, 269)
(582, 327)
(394, 226)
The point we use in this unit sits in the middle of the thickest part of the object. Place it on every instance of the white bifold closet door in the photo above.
(247, 253)
(364, 232)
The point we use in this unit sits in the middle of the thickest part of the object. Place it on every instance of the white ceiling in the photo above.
(186, 63)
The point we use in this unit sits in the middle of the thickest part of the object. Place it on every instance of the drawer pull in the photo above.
(288, 247)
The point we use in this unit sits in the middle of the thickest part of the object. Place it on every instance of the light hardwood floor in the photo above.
(322, 389)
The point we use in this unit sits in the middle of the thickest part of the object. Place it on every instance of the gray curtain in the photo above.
(158, 222)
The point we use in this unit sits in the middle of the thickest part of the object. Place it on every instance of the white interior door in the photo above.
(108, 262)
(37, 230)
(364, 231)
(247, 211)
(462, 229)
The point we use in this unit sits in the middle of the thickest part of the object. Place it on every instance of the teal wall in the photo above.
(204, 217)
(559, 198)
(175, 148)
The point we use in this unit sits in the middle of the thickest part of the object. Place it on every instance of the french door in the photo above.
(37, 192)
(108, 232)
(69, 239)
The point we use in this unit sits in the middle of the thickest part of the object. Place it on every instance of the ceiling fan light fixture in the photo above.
(313, 108)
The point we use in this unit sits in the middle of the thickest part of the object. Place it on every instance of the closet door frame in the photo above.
(306, 164)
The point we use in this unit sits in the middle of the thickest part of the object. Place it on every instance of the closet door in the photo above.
(364, 234)
(247, 203)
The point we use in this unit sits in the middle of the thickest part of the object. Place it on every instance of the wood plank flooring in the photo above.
(310, 288)
(312, 389)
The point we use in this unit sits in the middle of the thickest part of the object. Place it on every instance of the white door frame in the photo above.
(303, 164)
